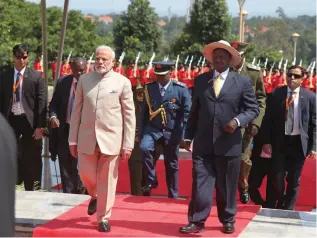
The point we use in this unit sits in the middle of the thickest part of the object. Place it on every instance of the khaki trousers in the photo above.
(99, 174)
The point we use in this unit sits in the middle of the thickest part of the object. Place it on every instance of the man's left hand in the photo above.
(38, 133)
(125, 154)
(311, 155)
(231, 126)
(252, 129)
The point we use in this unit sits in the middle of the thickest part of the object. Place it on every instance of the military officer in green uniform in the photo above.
(255, 75)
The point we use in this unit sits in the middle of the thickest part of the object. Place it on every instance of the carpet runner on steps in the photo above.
(307, 193)
(142, 217)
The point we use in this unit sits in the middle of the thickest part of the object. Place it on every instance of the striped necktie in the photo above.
(17, 90)
(290, 115)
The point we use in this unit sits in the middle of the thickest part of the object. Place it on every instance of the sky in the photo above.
(292, 8)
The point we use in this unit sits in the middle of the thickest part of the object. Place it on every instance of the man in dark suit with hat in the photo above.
(163, 119)
(223, 102)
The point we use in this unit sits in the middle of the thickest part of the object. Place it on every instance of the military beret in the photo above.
(240, 46)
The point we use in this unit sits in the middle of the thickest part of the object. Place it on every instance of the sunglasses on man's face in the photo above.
(21, 57)
(296, 76)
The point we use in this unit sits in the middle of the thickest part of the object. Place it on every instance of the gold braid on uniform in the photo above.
(161, 110)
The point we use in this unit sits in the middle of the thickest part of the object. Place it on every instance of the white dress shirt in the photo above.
(296, 130)
(223, 78)
(15, 81)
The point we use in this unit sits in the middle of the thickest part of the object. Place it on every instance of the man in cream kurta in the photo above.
(103, 127)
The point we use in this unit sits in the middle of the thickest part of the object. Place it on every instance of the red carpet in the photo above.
(306, 200)
(307, 193)
(142, 217)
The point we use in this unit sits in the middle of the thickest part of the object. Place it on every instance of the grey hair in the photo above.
(105, 47)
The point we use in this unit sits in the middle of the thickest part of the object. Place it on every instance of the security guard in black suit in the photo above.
(163, 119)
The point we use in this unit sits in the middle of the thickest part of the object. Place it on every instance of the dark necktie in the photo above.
(17, 90)
(72, 99)
(290, 115)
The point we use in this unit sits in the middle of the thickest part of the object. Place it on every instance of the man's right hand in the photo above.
(54, 122)
(266, 151)
(188, 146)
(73, 150)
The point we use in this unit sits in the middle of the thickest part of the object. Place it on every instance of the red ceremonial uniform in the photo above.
(146, 75)
(278, 81)
(174, 75)
(37, 65)
(53, 67)
(133, 75)
(119, 70)
(267, 85)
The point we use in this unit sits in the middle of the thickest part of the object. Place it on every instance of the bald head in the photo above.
(79, 67)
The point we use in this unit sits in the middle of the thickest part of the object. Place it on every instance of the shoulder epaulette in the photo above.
(178, 83)
(254, 67)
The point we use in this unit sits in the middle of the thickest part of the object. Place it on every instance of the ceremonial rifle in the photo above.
(284, 73)
(311, 75)
(150, 66)
(270, 74)
(136, 64)
(89, 62)
(176, 68)
(121, 60)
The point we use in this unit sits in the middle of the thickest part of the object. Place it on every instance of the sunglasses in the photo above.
(296, 76)
(21, 57)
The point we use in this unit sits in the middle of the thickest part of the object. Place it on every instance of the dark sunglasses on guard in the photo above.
(296, 76)
(21, 57)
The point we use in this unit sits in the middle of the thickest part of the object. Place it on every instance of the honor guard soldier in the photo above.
(165, 110)
(255, 75)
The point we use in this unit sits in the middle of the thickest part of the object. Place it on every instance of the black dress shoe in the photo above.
(148, 187)
(92, 207)
(244, 197)
(192, 228)
(228, 228)
(104, 227)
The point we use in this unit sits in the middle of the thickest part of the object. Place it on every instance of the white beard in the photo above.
(102, 70)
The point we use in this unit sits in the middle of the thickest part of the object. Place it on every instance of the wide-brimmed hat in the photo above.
(209, 49)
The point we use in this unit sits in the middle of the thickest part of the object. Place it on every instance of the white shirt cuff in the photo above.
(125, 148)
(188, 140)
(237, 121)
(52, 117)
(72, 143)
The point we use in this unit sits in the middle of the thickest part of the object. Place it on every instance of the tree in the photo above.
(20, 22)
(209, 22)
(136, 30)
